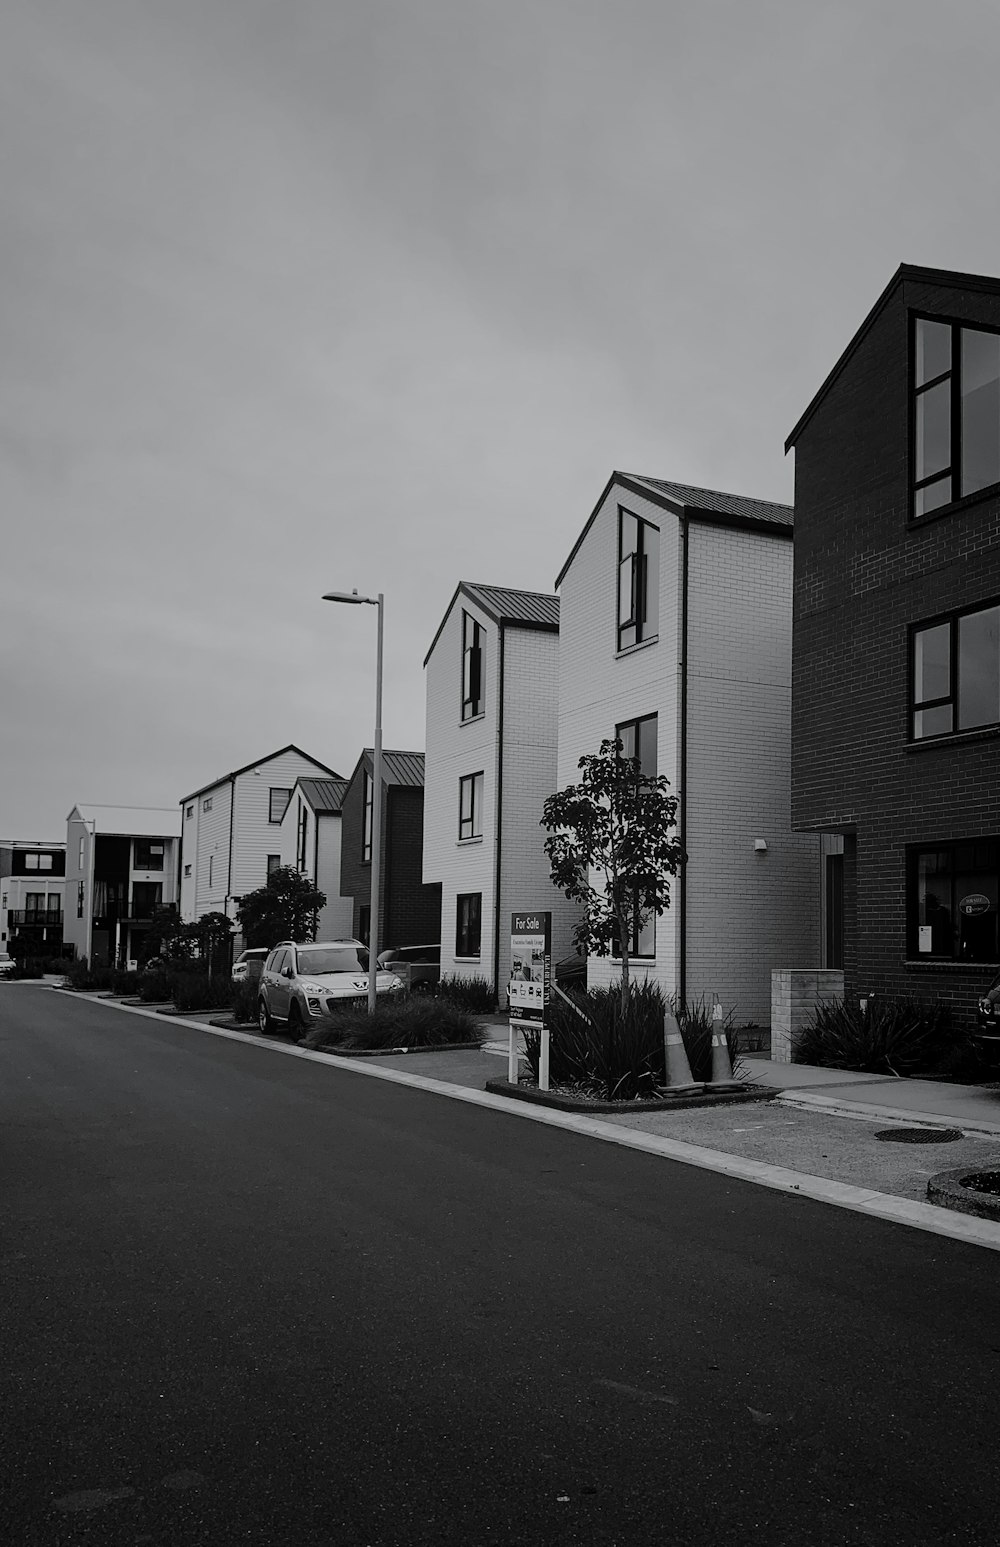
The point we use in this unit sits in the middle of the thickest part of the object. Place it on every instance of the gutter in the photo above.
(682, 768)
(501, 637)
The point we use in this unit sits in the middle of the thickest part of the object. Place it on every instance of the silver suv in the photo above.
(304, 983)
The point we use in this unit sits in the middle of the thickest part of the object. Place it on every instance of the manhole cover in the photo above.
(983, 1181)
(919, 1135)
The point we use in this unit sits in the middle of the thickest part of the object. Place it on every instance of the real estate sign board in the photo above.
(530, 966)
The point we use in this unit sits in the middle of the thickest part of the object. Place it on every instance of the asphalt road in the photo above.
(250, 1299)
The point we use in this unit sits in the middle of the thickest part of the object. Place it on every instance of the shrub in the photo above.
(202, 992)
(90, 979)
(890, 1036)
(245, 1001)
(476, 994)
(596, 1049)
(415, 1022)
(156, 987)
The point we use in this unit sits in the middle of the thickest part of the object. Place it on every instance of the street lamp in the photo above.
(353, 599)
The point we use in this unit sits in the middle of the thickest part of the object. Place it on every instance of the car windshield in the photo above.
(333, 958)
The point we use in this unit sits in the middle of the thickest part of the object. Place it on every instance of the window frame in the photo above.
(471, 785)
(206, 804)
(953, 375)
(912, 901)
(952, 698)
(367, 816)
(640, 614)
(464, 926)
(269, 868)
(277, 789)
(473, 650)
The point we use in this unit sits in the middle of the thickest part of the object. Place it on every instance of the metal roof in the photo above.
(132, 821)
(323, 794)
(530, 609)
(700, 504)
(260, 762)
(405, 768)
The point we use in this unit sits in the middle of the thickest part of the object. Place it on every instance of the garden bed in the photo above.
(579, 1101)
(956, 1190)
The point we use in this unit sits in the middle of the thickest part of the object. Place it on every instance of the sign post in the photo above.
(530, 978)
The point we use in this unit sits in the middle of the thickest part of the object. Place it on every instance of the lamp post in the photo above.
(353, 599)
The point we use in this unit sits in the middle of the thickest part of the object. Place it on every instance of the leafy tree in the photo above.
(284, 909)
(613, 848)
(210, 937)
(167, 936)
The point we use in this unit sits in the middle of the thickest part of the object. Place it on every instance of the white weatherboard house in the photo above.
(121, 865)
(311, 843)
(676, 634)
(492, 682)
(231, 830)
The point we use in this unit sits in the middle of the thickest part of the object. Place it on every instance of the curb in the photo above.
(974, 1129)
(565, 1103)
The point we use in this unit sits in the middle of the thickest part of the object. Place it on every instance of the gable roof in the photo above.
(131, 821)
(686, 499)
(950, 279)
(402, 768)
(260, 762)
(324, 795)
(526, 609)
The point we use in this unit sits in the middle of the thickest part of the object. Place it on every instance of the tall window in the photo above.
(468, 923)
(188, 813)
(473, 698)
(206, 804)
(956, 412)
(955, 673)
(273, 863)
(303, 834)
(638, 739)
(470, 806)
(211, 866)
(638, 580)
(952, 895)
(278, 804)
(366, 826)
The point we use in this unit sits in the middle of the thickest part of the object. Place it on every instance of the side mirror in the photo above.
(286, 972)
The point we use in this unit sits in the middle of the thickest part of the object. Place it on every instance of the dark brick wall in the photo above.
(411, 912)
(862, 576)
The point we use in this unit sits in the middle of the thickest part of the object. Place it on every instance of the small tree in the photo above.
(613, 848)
(211, 936)
(284, 909)
(167, 936)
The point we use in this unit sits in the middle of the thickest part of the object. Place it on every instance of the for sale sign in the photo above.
(530, 965)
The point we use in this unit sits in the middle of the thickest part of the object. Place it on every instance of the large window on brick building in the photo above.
(956, 412)
(955, 673)
(368, 790)
(473, 697)
(952, 895)
(638, 739)
(468, 923)
(638, 580)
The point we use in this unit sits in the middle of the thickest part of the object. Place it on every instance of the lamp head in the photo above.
(348, 596)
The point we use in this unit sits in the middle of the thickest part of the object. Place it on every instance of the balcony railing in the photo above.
(47, 917)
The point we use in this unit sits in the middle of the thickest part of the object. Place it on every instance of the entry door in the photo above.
(834, 944)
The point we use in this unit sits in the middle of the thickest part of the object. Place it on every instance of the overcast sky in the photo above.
(300, 295)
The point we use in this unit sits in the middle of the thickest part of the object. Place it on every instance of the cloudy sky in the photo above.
(300, 295)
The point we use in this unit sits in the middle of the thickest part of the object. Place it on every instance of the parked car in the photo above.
(303, 983)
(7, 964)
(987, 1033)
(423, 961)
(249, 964)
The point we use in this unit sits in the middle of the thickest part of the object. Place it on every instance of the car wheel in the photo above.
(296, 1028)
(264, 1020)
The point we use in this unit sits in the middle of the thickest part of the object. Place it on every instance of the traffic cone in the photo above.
(722, 1069)
(680, 1081)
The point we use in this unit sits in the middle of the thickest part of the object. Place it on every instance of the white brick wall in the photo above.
(454, 749)
(746, 912)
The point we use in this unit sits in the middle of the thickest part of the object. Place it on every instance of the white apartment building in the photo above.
(310, 839)
(231, 830)
(32, 880)
(492, 684)
(676, 634)
(121, 865)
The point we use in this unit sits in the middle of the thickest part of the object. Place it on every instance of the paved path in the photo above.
(257, 1298)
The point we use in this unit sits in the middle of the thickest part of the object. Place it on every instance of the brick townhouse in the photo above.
(675, 634)
(896, 682)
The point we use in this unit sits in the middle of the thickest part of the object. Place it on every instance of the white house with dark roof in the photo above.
(492, 677)
(310, 841)
(231, 830)
(676, 634)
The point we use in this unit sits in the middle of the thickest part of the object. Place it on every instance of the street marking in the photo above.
(860, 1200)
(636, 1391)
